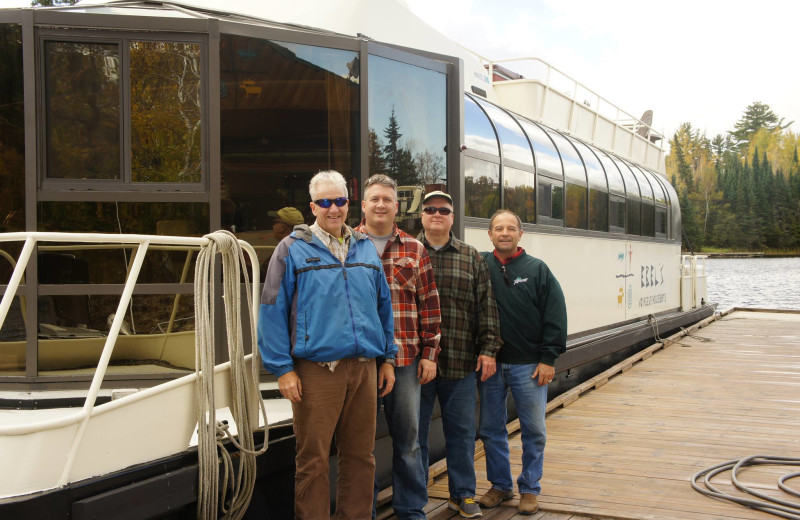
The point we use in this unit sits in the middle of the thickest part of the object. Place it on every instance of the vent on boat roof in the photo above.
(478, 91)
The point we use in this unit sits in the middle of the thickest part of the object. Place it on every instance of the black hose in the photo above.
(772, 505)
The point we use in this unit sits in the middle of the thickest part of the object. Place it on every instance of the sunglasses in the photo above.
(326, 203)
(431, 210)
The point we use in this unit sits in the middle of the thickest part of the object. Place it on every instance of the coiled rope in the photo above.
(211, 433)
(769, 504)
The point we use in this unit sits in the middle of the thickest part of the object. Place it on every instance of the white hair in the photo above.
(326, 178)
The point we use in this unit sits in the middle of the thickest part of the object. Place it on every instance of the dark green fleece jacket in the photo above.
(533, 314)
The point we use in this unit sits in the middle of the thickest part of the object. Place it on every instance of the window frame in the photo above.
(125, 182)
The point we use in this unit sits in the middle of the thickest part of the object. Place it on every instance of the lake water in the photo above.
(771, 283)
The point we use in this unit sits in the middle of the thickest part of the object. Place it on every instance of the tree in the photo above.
(756, 116)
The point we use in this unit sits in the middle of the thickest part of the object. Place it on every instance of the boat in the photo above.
(125, 122)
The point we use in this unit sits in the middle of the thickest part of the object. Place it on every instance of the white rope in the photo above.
(211, 433)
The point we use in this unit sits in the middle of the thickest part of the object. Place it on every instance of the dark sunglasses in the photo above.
(326, 203)
(431, 210)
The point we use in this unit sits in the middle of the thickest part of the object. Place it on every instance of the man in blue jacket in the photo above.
(326, 314)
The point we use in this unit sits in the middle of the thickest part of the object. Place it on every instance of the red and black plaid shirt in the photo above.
(415, 300)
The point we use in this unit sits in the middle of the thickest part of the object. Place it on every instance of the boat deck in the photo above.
(628, 447)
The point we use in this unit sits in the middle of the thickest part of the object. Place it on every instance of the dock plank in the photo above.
(628, 446)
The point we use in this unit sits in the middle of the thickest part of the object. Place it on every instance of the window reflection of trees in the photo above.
(165, 111)
(83, 110)
(12, 131)
(481, 188)
(520, 193)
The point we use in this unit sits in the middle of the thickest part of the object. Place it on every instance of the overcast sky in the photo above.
(698, 61)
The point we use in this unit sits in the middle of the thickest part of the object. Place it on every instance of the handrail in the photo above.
(143, 242)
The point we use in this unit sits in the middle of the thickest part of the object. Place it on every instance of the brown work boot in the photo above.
(528, 503)
(494, 496)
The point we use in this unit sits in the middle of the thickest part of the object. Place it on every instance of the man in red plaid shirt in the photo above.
(415, 303)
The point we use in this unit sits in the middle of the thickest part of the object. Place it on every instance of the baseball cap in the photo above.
(437, 193)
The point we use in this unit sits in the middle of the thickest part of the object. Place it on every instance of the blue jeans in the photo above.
(409, 485)
(531, 401)
(457, 401)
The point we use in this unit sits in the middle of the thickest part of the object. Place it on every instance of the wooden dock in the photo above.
(629, 445)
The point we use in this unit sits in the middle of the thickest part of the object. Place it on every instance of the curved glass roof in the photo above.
(548, 160)
(512, 139)
(574, 170)
(615, 183)
(594, 171)
(478, 132)
(658, 189)
(644, 183)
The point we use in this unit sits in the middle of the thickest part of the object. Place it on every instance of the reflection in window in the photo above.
(634, 217)
(12, 132)
(598, 210)
(661, 222)
(551, 203)
(82, 105)
(481, 188)
(59, 265)
(157, 335)
(512, 139)
(287, 112)
(616, 217)
(548, 161)
(648, 219)
(165, 111)
(478, 132)
(574, 170)
(576, 206)
(408, 129)
(519, 187)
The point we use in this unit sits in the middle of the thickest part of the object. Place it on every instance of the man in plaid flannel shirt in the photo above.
(470, 342)
(415, 304)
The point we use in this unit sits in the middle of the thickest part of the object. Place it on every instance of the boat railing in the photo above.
(61, 443)
(544, 93)
(694, 279)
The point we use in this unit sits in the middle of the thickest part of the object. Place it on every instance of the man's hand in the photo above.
(487, 367)
(544, 372)
(426, 371)
(290, 386)
(385, 379)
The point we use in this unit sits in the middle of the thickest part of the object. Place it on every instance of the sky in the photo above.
(700, 61)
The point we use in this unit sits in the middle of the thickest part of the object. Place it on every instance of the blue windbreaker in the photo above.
(315, 308)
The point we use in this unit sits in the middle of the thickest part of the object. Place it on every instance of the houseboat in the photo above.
(138, 125)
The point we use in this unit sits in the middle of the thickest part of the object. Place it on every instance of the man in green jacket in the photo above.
(533, 325)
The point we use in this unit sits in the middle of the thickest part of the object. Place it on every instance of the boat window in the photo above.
(634, 205)
(648, 206)
(287, 111)
(574, 171)
(166, 111)
(616, 214)
(658, 189)
(12, 133)
(97, 91)
(598, 189)
(551, 202)
(519, 192)
(156, 337)
(407, 127)
(661, 222)
(512, 139)
(107, 265)
(478, 132)
(613, 176)
(481, 187)
(548, 161)
(674, 228)
(82, 107)
(576, 206)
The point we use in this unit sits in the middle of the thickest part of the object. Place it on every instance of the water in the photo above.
(770, 283)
